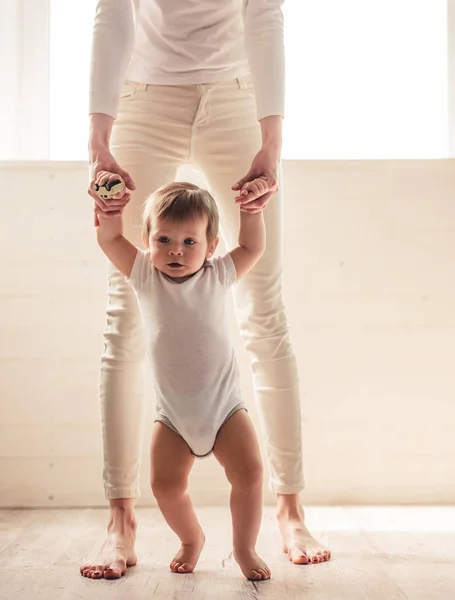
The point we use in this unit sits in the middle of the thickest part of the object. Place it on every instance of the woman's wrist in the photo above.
(97, 151)
(272, 133)
(97, 147)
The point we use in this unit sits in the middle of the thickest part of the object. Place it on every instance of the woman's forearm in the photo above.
(100, 132)
(272, 132)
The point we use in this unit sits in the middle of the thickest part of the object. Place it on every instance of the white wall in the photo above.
(370, 289)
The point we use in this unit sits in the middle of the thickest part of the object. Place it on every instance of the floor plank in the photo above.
(379, 553)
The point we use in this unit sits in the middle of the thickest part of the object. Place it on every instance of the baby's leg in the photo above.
(171, 462)
(237, 450)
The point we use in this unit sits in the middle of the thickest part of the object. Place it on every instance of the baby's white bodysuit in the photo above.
(187, 340)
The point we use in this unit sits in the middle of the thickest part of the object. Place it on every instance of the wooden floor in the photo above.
(378, 554)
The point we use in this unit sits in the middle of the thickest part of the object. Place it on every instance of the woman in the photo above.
(188, 81)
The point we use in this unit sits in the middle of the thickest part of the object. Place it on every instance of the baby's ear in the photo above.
(212, 246)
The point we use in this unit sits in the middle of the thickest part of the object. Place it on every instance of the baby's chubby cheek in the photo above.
(154, 257)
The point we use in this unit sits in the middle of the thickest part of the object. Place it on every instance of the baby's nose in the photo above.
(176, 250)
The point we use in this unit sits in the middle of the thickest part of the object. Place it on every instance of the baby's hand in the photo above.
(250, 191)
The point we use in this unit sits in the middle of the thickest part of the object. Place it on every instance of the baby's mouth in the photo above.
(174, 265)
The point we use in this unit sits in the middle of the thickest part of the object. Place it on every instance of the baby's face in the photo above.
(180, 249)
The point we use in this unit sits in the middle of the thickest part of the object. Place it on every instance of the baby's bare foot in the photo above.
(252, 566)
(116, 554)
(185, 560)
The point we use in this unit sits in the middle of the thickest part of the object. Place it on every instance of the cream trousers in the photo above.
(214, 127)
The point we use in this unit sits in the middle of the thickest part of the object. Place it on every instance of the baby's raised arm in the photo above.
(251, 235)
(109, 234)
(117, 248)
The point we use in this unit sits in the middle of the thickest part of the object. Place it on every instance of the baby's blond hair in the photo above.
(179, 201)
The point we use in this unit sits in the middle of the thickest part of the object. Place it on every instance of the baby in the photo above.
(182, 293)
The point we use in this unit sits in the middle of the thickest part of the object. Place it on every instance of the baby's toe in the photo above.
(254, 575)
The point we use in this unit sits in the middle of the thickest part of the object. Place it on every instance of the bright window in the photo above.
(366, 79)
(70, 49)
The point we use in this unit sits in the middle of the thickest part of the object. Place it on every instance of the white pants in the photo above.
(213, 126)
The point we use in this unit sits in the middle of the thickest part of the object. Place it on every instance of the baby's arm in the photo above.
(251, 237)
(118, 249)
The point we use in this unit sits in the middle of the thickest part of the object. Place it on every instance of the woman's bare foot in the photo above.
(117, 552)
(298, 543)
(185, 560)
(251, 565)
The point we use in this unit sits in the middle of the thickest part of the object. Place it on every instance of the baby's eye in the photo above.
(163, 240)
(189, 242)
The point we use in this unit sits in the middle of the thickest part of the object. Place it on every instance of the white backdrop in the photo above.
(369, 288)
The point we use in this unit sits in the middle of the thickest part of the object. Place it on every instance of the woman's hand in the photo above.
(256, 188)
(264, 166)
(105, 168)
